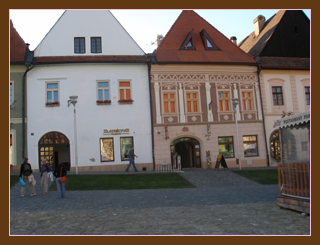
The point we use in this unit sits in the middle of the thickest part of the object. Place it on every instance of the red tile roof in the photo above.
(91, 59)
(169, 48)
(17, 46)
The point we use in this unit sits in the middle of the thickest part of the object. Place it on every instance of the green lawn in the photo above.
(124, 182)
(263, 177)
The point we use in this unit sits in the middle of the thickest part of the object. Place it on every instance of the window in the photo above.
(247, 101)
(224, 101)
(106, 150)
(207, 41)
(125, 90)
(226, 146)
(52, 90)
(125, 145)
(11, 94)
(192, 102)
(169, 102)
(103, 90)
(250, 145)
(95, 44)
(188, 42)
(307, 93)
(79, 45)
(277, 95)
(275, 146)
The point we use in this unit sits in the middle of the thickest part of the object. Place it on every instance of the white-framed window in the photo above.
(103, 90)
(125, 90)
(192, 101)
(169, 102)
(52, 92)
(247, 100)
(224, 100)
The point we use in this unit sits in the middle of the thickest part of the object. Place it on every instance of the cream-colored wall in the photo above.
(293, 82)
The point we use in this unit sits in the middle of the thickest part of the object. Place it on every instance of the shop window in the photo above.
(224, 101)
(103, 91)
(125, 90)
(275, 146)
(247, 101)
(79, 45)
(106, 150)
(192, 101)
(125, 145)
(226, 146)
(96, 45)
(250, 145)
(277, 95)
(169, 102)
(307, 93)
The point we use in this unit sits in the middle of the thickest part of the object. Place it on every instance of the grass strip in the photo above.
(124, 182)
(263, 177)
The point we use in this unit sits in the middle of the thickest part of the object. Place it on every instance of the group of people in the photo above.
(46, 174)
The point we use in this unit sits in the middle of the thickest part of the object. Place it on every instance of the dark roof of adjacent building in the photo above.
(91, 59)
(191, 39)
(283, 42)
(17, 46)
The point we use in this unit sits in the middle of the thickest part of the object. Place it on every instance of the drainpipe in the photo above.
(151, 111)
(257, 58)
(28, 61)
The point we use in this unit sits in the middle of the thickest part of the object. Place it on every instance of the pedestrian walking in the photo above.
(25, 172)
(59, 172)
(131, 160)
(45, 170)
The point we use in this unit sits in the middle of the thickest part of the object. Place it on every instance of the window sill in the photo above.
(125, 102)
(103, 102)
(52, 104)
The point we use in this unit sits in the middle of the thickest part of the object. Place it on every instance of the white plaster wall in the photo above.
(59, 41)
(92, 119)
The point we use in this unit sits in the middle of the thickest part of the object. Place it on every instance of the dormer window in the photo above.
(207, 41)
(188, 43)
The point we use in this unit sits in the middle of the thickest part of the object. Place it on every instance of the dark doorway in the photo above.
(189, 150)
(54, 147)
(186, 151)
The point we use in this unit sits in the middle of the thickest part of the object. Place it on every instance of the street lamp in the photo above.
(235, 102)
(73, 101)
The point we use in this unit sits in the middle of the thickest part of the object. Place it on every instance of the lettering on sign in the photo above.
(116, 131)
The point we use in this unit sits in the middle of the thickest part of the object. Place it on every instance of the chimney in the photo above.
(159, 39)
(258, 24)
(233, 39)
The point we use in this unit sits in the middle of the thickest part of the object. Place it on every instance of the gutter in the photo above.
(28, 61)
(257, 58)
(151, 111)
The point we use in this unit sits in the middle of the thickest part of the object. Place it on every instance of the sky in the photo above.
(143, 25)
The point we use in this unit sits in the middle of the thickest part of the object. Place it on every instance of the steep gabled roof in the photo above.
(17, 46)
(191, 39)
(283, 42)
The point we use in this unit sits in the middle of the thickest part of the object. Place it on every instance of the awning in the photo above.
(296, 119)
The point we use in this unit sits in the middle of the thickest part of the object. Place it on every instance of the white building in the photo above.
(89, 54)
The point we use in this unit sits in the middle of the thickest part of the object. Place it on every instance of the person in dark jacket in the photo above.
(131, 160)
(25, 171)
(59, 172)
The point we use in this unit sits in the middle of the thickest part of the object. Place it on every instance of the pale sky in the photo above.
(143, 25)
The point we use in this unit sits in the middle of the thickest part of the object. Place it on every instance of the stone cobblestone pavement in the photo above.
(223, 203)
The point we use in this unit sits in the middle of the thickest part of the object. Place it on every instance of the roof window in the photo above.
(188, 43)
(207, 41)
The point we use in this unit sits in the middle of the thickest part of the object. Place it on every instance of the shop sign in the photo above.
(116, 131)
